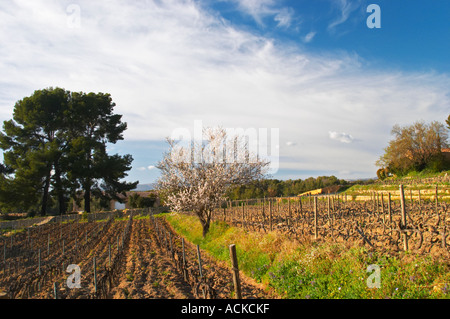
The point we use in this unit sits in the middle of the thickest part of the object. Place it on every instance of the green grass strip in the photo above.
(319, 270)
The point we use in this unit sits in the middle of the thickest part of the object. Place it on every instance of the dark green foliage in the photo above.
(277, 188)
(137, 201)
(55, 146)
(92, 126)
(33, 142)
(383, 173)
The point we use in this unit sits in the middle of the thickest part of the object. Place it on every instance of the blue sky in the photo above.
(414, 34)
(310, 68)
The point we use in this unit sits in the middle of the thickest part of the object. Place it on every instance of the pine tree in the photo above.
(92, 126)
(32, 141)
(55, 145)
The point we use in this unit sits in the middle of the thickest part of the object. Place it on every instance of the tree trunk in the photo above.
(60, 190)
(205, 229)
(45, 194)
(205, 221)
(88, 180)
(87, 198)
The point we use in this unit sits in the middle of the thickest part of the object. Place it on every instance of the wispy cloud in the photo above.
(143, 168)
(261, 9)
(345, 8)
(168, 63)
(341, 137)
(309, 37)
(290, 143)
(284, 17)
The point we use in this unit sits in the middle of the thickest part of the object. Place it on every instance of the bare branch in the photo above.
(195, 177)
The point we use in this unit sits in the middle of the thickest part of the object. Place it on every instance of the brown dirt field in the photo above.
(145, 268)
(148, 273)
(151, 273)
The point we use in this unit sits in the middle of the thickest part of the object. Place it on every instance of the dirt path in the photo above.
(149, 273)
(223, 283)
(147, 267)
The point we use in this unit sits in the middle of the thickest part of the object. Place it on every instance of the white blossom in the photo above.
(195, 177)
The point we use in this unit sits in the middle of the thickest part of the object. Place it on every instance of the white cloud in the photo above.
(290, 143)
(168, 63)
(345, 7)
(341, 137)
(309, 37)
(261, 9)
(258, 9)
(143, 168)
(284, 17)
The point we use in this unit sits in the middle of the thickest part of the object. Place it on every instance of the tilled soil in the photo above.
(150, 272)
(145, 266)
(221, 274)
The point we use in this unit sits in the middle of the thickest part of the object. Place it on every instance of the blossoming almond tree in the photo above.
(195, 177)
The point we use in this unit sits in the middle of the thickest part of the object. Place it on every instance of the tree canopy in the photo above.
(137, 201)
(195, 177)
(55, 147)
(281, 188)
(414, 148)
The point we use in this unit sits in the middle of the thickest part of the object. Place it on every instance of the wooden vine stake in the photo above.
(199, 261)
(389, 208)
(94, 266)
(328, 207)
(243, 213)
(405, 236)
(55, 291)
(420, 203)
(270, 214)
(184, 258)
(436, 199)
(315, 218)
(289, 212)
(235, 270)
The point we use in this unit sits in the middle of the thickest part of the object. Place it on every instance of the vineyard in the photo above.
(133, 255)
(136, 254)
(382, 223)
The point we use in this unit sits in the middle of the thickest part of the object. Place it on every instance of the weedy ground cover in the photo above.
(321, 269)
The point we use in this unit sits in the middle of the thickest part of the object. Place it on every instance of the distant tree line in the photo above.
(281, 188)
(55, 150)
(135, 200)
(417, 147)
